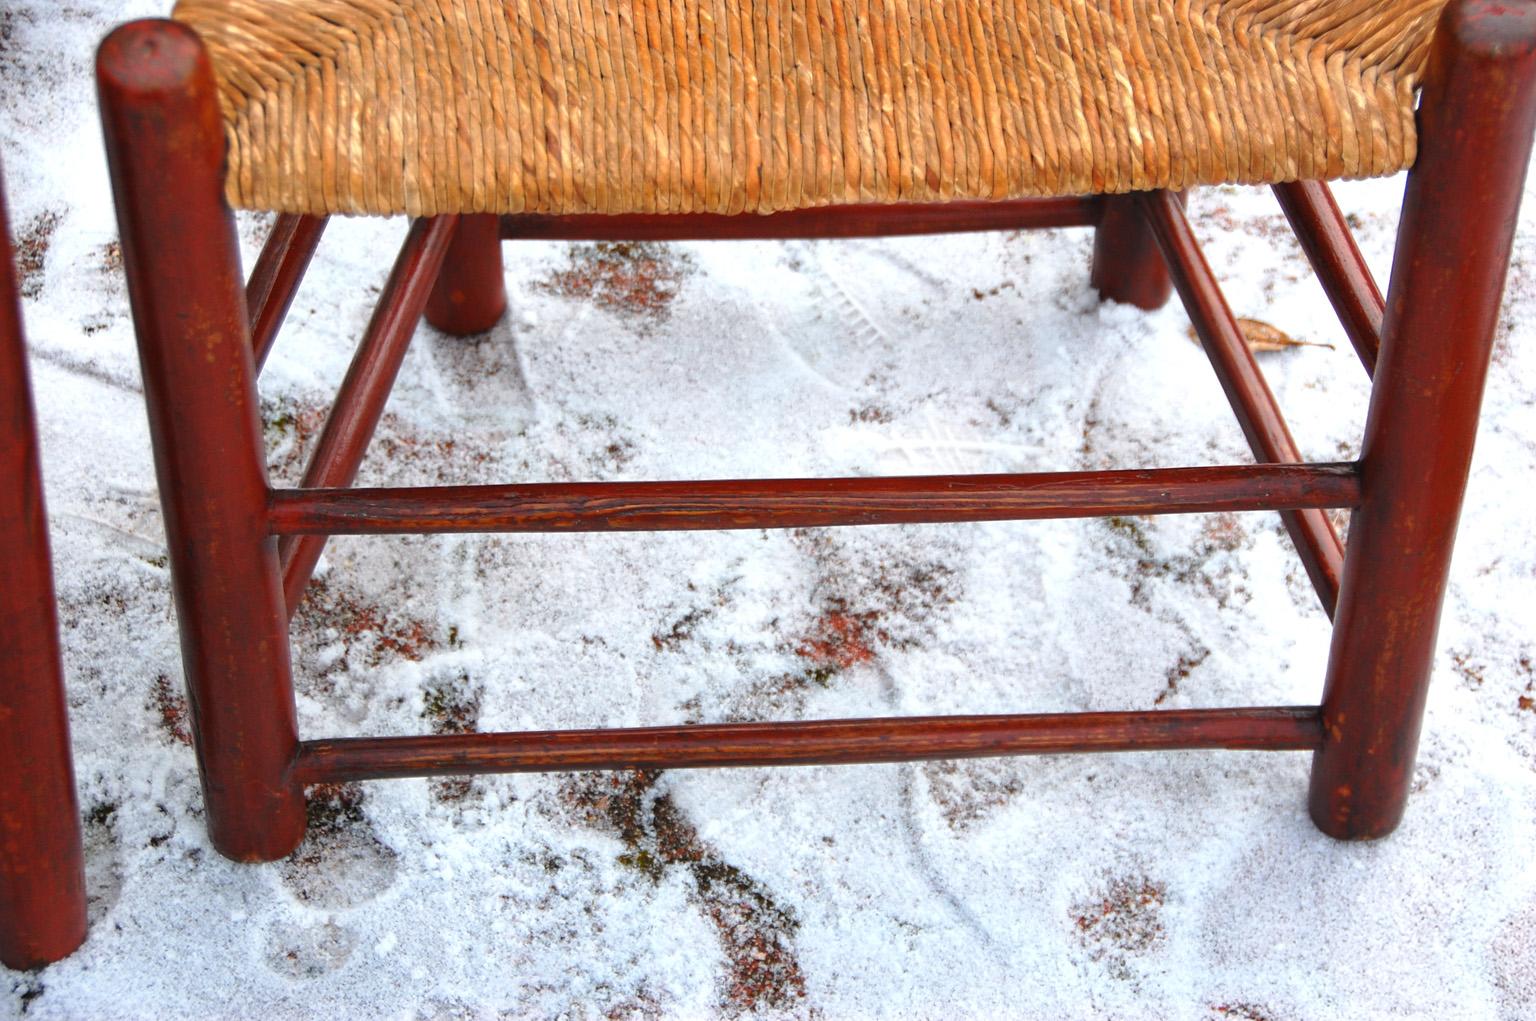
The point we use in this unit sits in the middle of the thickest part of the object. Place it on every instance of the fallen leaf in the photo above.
(1263, 337)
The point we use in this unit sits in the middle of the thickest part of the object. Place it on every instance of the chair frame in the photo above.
(42, 883)
(242, 552)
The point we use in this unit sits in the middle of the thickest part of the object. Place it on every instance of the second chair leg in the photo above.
(1475, 123)
(470, 296)
(42, 889)
(1127, 263)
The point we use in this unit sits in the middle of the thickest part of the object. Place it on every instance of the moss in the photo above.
(452, 706)
(1203, 565)
(335, 806)
(643, 861)
(840, 639)
(1242, 1012)
(1180, 671)
(1134, 531)
(371, 633)
(103, 813)
(681, 630)
(821, 676)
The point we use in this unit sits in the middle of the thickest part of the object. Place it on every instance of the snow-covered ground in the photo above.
(1185, 885)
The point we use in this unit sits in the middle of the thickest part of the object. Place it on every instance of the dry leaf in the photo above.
(1263, 337)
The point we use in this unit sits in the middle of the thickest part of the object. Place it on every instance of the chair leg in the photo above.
(470, 295)
(42, 890)
(1127, 264)
(1476, 119)
(161, 119)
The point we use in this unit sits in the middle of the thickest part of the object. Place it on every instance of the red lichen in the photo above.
(172, 708)
(840, 639)
(637, 280)
(1122, 922)
(366, 628)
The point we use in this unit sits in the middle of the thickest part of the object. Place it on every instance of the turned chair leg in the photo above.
(1127, 263)
(161, 119)
(1476, 118)
(470, 294)
(42, 891)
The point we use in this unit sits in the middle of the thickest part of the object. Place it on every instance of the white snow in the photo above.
(1187, 885)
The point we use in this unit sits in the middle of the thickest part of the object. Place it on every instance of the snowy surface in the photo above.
(1136, 886)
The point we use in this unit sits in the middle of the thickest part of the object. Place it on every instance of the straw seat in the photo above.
(731, 106)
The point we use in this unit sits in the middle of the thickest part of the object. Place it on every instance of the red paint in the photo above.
(470, 295)
(1127, 264)
(812, 742)
(856, 221)
(161, 119)
(276, 277)
(1340, 268)
(1476, 119)
(806, 503)
(42, 890)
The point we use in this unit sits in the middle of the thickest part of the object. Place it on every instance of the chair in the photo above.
(689, 119)
(42, 884)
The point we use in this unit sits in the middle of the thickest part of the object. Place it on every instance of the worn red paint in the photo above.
(360, 402)
(1476, 119)
(1127, 264)
(470, 295)
(276, 277)
(42, 890)
(800, 503)
(809, 742)
(890, 220)
(1340, 268)
(161, 120)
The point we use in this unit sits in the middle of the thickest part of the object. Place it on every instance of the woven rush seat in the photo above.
(758, 106)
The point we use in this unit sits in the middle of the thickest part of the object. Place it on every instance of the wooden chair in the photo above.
(589, 119)
(42, 884)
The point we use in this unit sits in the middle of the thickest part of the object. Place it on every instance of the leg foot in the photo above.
(1476, 119)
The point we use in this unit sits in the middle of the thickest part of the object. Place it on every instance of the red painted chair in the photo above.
(273, 105)
(42, 886)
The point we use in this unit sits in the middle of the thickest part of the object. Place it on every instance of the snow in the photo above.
(1179, 885)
